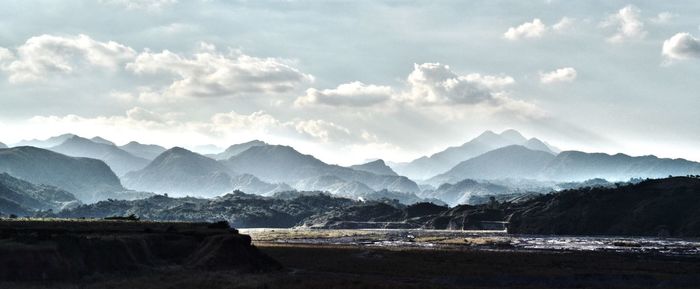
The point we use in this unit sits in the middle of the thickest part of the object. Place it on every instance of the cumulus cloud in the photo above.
(566, 74)
(628, 23)
(212, 73)
(349, 94)
(537, 29)
(42, 55)
(437, 83)
(534, 29)
(681, 46)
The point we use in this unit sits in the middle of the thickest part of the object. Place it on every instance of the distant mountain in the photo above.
(21, 197)
(119, 160)
(47, 143)
(236, 149)
(145, 151)
(86, 178)
(518, 162)
(181, 172)
(377, 167)
(334, 185)
(579, 166)
(3, 146)
(283, 164)
(463, 191)
(98, 139)
(426, 167)
(251, 184)
(508, 162)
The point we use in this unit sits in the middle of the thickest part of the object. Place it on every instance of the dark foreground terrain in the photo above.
(129, 254)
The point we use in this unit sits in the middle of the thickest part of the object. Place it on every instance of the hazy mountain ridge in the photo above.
(21, 197)
(84, 177)
(283, 164)
(146, 151)
(377, 167)
(440, 162)
(119, 160)
(236, 149)
(521, 162)
(46, 143)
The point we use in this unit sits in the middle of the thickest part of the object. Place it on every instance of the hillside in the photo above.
(20, 197)
(236, 149)
(86, 178)
(119, 160)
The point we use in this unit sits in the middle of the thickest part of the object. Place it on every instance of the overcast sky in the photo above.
(356, 80)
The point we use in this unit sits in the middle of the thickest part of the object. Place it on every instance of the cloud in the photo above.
(210, 73)
(534, 29)
(663, 18)
(438, 84)
(628, 23)
(349, 94)
(43, 55)
(141, 4)
(681, 46)
(537, 29)
(566, 74)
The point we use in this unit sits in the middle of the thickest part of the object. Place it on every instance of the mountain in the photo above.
(377, 167)
(251, 184)
(3, 146)
(20, 197)
(47, 143)
(463, 191)
(426, 167)
(578, 166)
(236, 149)
(333, 185)
(86, 178)
(508, 162)
(181, 172)
(283, 164)
(519, 162)
(119, 160)
(145, 151)
(98, 139)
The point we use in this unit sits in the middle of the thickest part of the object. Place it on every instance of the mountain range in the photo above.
(519, 162)
(119, 160)
(429, 166)
(145, 151)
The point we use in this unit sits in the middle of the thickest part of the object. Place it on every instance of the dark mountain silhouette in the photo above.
(101, 140)
(47, 143)
(426, 167)
(145, 151)
(119, 160)
(236, 149)
(86, 178)
(21, 197)
(377, 167)
(520, 162)
(283, 164)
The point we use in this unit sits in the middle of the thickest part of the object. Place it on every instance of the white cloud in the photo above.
(349, 94)
(663, 18)
(436, 83)
(325, 131)
(212, 73)
(141, 4)
(534, 29)
(681, 46)
(564, 24)
(42, 55)
(628, 23)
(566, 74)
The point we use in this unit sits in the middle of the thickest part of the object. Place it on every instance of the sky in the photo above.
(349, 81)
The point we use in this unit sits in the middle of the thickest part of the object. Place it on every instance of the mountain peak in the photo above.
(513, 136)
(378, 167)
(236, 149)
(101, 140)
